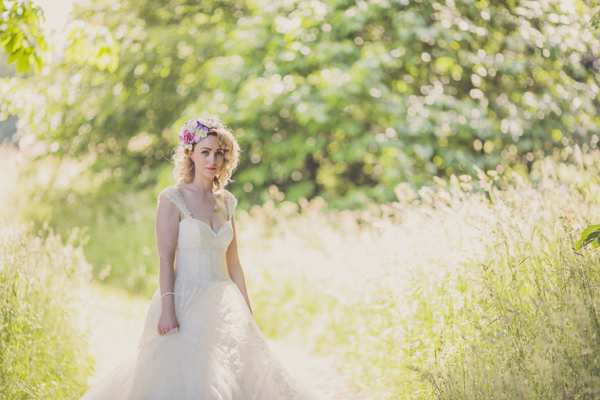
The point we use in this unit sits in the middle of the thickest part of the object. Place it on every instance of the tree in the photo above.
(23, 39)
(343, 99)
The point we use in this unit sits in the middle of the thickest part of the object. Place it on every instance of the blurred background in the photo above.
(415, 178)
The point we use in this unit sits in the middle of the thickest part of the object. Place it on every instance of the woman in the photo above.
(200, 340)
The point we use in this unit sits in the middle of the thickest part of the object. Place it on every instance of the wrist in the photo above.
(168, 303)
(168, 309)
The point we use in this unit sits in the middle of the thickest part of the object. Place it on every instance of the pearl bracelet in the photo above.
(167, 294)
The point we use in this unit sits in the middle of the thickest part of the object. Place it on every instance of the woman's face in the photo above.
(208, 157)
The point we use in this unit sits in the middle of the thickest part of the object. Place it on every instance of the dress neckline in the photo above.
(189, 214)
(206, 225)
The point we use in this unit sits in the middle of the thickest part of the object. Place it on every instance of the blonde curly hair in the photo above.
(184, 167)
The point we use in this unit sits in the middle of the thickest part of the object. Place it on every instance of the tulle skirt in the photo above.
(219, 353)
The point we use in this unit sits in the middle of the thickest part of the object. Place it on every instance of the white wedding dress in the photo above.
(219, 352)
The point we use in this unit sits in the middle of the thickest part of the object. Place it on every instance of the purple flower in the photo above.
(203, 127)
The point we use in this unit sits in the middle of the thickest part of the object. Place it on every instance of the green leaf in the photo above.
(23, 63)
(589, 235)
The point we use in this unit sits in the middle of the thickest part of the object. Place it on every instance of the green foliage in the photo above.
(122, 248)
(43, 354)
(590, 235)
(21, 35)
(339, 99)
(22, 38)
(91, 45)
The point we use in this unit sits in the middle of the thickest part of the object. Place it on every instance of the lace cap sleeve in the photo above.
(171, 194)
(231, 202)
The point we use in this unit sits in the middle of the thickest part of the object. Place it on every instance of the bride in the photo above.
(200, 340)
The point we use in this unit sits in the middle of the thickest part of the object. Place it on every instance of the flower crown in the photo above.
(194, 131)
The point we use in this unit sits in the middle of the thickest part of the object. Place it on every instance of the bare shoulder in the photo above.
(180, 187)
(185, 190)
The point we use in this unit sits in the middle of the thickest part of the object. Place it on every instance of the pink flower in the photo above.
(188, 137)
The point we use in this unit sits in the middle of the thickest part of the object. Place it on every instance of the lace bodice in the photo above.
(200, 250)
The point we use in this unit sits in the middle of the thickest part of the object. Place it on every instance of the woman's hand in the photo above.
(167, 321)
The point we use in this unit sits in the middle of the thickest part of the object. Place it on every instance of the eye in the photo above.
(205, 152)
(219, 153)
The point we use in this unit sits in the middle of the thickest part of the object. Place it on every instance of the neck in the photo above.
(203, 184)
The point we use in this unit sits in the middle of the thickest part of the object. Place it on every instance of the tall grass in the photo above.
(470, 291)
(42, 350)
(535, 329)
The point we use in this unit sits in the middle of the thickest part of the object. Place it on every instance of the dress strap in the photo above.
(230, 202)
(176, 198)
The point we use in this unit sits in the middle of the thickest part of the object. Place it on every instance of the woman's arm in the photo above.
(167, 228)
(234, 267)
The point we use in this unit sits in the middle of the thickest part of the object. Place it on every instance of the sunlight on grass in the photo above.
(43, 351)
(469, 289)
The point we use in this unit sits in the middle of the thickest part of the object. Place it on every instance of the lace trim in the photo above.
(231, 202)
(171, 194)
(176, 198)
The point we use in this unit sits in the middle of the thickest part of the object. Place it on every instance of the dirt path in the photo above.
(115, 320)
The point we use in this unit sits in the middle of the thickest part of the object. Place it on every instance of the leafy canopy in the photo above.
(343, 99)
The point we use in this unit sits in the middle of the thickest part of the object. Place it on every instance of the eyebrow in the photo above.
(208, 148)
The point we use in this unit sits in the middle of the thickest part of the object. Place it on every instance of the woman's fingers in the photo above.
(163, 332)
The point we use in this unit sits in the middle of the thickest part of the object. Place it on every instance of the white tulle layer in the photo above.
(218, 354)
